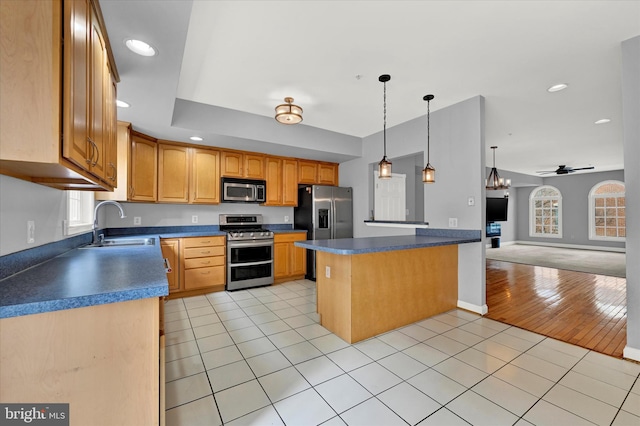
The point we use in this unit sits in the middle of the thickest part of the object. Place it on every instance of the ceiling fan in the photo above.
(563, 170)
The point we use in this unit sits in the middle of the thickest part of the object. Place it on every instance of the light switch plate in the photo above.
(137, 220)
(327, 271)
(471, 201)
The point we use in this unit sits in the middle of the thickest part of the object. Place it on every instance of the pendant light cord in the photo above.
(384, 128)
(428, 132)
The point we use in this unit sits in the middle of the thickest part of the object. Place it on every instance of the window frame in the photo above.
(532, 216)
(79, 220)
(592, 219)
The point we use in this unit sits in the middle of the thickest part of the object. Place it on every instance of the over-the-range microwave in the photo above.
(243, 190)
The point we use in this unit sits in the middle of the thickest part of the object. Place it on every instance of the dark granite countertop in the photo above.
(85, 277)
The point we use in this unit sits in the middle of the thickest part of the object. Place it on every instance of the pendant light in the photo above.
(494, 181)
(288, 113)
(384, 166)
(429, 173)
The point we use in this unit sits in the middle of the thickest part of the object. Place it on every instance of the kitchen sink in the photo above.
(120, 242)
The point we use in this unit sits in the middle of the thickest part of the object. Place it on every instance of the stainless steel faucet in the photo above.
(96, 238)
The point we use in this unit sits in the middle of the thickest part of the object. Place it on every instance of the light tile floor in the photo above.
(260, 357)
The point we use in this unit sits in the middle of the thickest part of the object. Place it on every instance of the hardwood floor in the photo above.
(583, 309)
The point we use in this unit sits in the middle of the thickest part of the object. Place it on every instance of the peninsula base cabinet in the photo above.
(289, 261)
(104, 361)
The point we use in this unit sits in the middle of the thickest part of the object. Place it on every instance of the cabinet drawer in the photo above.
(190, 253)
(203, 241)
(289, 237)
(203, 277)
(203, 262)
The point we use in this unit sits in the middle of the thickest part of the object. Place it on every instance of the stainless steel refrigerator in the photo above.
(325, 212)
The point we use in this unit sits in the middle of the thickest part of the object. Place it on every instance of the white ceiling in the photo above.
(246, 56)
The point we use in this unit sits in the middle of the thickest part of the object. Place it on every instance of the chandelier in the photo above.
(494, 181)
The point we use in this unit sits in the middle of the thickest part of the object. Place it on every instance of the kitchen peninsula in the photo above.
(368, 286)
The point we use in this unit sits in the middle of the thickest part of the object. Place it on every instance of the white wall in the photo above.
(631, 132)
(22, 201)
(457, 153)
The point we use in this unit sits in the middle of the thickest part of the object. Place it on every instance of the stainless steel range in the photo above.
(249, 251)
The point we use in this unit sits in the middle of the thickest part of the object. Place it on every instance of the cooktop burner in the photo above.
(244, 227)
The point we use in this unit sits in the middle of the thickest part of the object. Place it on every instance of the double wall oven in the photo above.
(249, 251)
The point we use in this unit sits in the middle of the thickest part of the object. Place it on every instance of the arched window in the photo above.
(545, 212)
(607, 215)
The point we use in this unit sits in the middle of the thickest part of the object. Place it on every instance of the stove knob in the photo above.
(240, 234)
(251, 234)
(262, 234)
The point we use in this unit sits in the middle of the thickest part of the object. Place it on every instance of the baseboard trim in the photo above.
(571, 246)
(482, 310)
(631, 353)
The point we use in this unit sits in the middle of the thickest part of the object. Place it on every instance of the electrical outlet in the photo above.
(31, 232)
(453, 222)
(286, 219)
(327, 271)
(194, 219)
(137, 220)
(471, 201)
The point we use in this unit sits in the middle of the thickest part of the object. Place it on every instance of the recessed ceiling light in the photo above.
(557, 87)
(122, 104)
(140, 47)
(603, 121)
(196, 138)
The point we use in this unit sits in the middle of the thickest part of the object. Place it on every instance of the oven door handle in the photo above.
(251, 263)
(250, 244)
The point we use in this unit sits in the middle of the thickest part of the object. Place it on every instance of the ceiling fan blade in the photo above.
(545, 171)
(583, 168)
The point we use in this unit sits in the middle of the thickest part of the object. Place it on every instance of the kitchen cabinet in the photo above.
(188, 175)
(143, 168)
(317, 173)
(120, 169)
(56, 101)
(242, 164)
(201, 265)
(173, 173)
(282, 181)
(289, 261)
(171, 253)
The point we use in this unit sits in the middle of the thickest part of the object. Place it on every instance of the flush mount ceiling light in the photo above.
(384, 166)
(122, 104)
(140, 47)
(603, 121)
(557, 87)
(288, 113)
(196, 138)
(494, 181)
(429, 173)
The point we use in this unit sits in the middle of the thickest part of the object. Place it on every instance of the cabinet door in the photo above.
(327, 174)
(307, 172)
(170, 251)
(205, 176)
(143, 169)
(281, 260)
(289, 182)
(110, 126)
(273, 167)
(298, 260)
(231, 164)
(76, 147)
(254, 166)
(97, 96)
(173, 174)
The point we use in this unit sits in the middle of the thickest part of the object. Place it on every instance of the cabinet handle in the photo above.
(206, 263)
(167, 266)
(91, 148)
(205, 242)
(205, 273)
(206, 252)
(94, 152)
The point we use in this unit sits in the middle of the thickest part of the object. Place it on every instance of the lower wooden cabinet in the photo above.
(200, 265)
(289, 261)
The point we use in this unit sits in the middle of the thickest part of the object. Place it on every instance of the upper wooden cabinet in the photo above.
(289, 182)
(188, 175)
(58, 118)
(242, 164)
(282, 181)
(143, 168)
(317, 173)
(120, 164)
